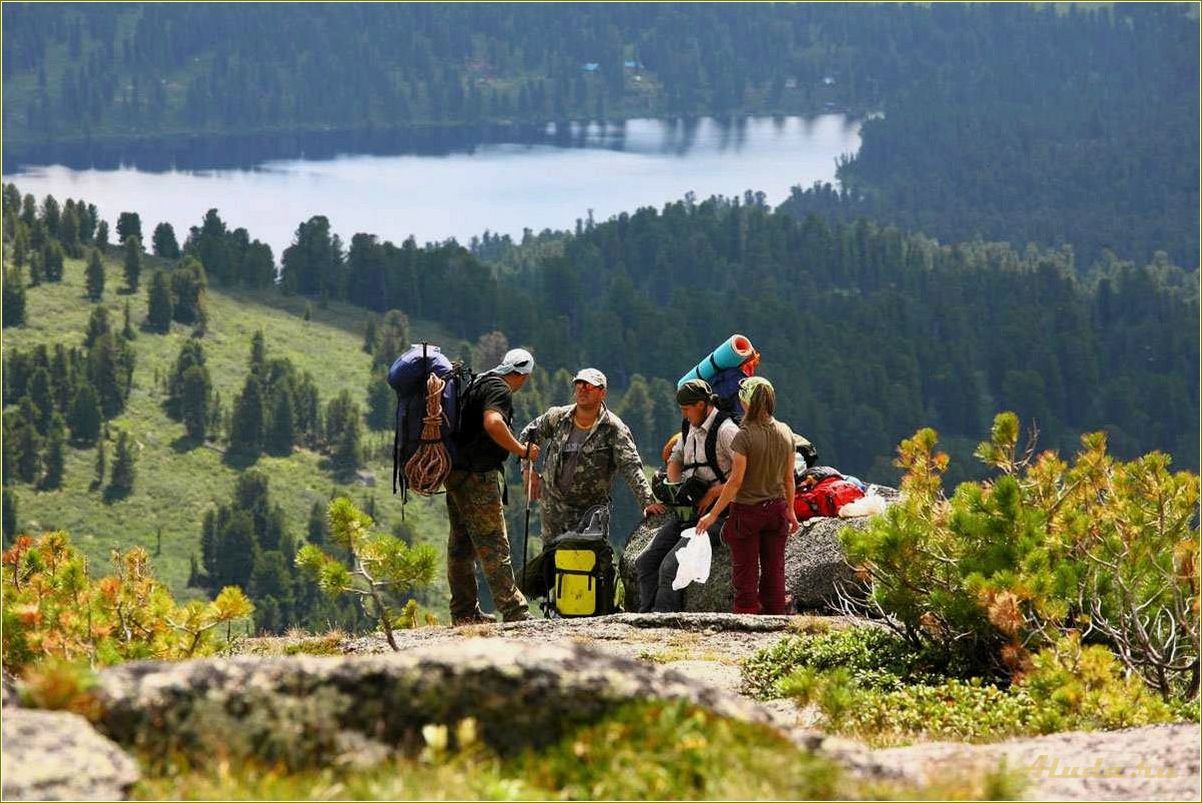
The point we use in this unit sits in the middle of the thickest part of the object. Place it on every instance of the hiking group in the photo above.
(732, 473)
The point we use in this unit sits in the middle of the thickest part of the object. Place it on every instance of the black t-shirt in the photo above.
(477, 450)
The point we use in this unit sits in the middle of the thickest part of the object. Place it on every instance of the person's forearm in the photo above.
(729, 492)
(499, 431)
(674, 471)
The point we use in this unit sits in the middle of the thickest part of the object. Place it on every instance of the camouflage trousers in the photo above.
(558, 518)
(478, 533)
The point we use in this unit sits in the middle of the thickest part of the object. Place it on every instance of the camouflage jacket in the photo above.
(609, 448)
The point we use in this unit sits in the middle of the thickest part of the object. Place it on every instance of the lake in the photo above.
(544, 179)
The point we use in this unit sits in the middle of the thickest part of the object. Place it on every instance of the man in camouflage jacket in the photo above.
(583, 445)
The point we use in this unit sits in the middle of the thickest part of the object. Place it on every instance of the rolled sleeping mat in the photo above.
(731, 354)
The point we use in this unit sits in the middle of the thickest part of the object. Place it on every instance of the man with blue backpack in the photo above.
(474, 493)
(698, 465)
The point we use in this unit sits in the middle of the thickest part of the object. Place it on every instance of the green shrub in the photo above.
(1067, 688)
(384, 567)
(1013, 564)
(53, 607)
(872, 657)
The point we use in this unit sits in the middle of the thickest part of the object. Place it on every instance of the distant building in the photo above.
(591, 66)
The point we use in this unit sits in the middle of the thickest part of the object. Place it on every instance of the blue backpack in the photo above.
(726, 387)
(407, 377)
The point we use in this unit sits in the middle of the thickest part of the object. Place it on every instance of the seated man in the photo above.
(701, 461)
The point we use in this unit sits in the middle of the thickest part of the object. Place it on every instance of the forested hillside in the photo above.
(867, 330)
(1079, 129)
(1004, 121)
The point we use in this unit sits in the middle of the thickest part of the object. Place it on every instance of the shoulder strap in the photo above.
(711, 445)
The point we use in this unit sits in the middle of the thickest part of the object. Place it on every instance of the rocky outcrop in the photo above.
(814, 565)
(297, 709)
(1158, 762)
(55, 755)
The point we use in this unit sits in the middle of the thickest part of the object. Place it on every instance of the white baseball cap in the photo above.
(516, 361)
(592, 376)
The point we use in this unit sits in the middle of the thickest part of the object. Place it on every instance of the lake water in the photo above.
(547, 181)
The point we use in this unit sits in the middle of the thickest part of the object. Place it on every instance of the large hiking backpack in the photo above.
(579, 569)
(407, 377)
(711, 442)
(825, 498)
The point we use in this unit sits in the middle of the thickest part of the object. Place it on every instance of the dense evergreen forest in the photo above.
(869, 331)
(1003, 121)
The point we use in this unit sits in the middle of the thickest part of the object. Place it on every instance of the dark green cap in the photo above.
(693, 391)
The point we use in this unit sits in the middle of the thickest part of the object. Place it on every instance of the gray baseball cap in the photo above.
(592, 376)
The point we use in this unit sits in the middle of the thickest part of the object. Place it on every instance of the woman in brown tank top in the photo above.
(760, 495)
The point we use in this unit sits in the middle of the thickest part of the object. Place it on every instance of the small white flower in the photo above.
(435, 736)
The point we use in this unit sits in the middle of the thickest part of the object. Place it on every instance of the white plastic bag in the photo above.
(870, 505)
(693, 559)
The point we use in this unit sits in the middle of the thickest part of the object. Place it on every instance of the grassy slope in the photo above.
(174, 486)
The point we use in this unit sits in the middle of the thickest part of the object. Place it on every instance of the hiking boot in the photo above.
(477, 618)
(519, 616)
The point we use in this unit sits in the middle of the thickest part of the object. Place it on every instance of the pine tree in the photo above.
(121, 480)
(371, 334)
(191, 353)
(127, 327)
(258, 353)
(348, 450)
(41, 393)
(194, 578)
(308, 314)
(188, 287)
(54, 458)
(133, 263)
(8, 445)
(28, 447)
(319, 525)
(94, 277)
(101, 464)
(381, 401)
(195, 393)
(163, 241)
(98, 325)
(129, 224)
(52, 262)
(236, 551)
(282, 433)
(10, 517)
(14, 297)
(69, 232)
(84, 418)
(20, 246)
(110, 369)
(102, 235)
(51, 214)
(36, 272)
(246, 425)
(159, 305)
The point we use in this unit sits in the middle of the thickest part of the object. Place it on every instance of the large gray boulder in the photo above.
(56, 755)
(814, 564)
(304, 710)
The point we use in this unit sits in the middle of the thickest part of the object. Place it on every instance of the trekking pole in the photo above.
(526, 535)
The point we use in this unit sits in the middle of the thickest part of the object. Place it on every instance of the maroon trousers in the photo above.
(756, 535)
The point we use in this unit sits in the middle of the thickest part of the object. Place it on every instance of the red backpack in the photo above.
(825, 498)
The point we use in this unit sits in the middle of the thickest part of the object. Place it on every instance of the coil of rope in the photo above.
(427, 470)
